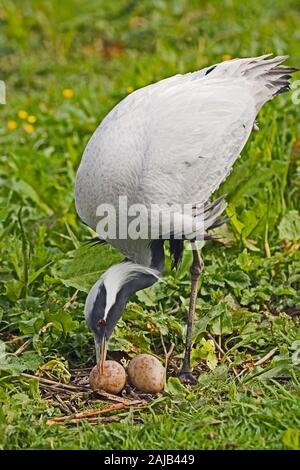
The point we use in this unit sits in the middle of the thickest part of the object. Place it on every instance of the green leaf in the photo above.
(289, 227)
(33, 325)
(62, 321)
(222, 325)
(212, 360)
(146, 297)
(245, 261)
(273, 371)
(27, 191)
(205, 350)
(16, 365)
(84, 266)
(175, 388)
(13, 289)
(237, 278)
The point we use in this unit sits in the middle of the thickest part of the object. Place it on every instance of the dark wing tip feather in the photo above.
(211, 205)
(283, 89)
(95, 241)
(219, 222)
(176, 251)
(282, 77)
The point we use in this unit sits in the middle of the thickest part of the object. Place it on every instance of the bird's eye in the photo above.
(101, 323)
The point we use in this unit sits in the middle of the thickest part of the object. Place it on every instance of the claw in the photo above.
(187, 378)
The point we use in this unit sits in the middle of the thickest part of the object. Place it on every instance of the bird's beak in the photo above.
(101, 350)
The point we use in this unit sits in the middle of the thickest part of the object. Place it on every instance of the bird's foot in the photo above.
(186, 377)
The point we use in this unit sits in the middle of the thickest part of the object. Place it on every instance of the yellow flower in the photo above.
(28, 128)
(227, 57)
(67, 93)
(31, 119)
(130, 89)
(22, 114)
(12, 125)
(152, 327)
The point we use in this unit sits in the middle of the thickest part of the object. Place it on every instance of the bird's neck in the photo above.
(121, 281)
(124, 279)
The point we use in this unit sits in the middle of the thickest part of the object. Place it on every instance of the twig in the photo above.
(53, 390)
(60, 387)
(23, 347)
(220, 337)
(117, 398)
(62, 405)
(224, 354)
(266, 357)
(71, 301)
(95, 421)
(173, 310)
(82, 370)
(56, 384)
(167, 353)
(260, 361)
(91, 413)
(29, 341)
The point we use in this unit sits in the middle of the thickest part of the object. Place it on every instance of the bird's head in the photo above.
(107, 299)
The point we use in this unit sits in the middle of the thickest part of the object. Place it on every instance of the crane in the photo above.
(165, 148)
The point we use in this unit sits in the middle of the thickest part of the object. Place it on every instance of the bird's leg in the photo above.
(185, 373)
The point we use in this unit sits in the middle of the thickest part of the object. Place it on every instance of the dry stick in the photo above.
(23, 347)
(266, 357)
(53, 390)
(91, 413)
(29, 341)
(95, 421)
(71, 301)
(83, 370)
(72, 408)
(62, 405)
(224, 354)
(56, 384)
(167, 353)
(220, 337)
(261, 361)
(167, 356)
(174, 310)
(118, 399)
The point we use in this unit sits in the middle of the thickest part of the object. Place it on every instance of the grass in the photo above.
(249, 296)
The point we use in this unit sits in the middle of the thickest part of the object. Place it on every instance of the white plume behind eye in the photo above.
(116, 276)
